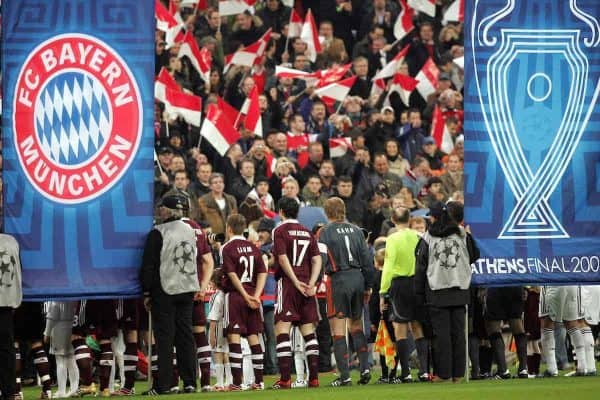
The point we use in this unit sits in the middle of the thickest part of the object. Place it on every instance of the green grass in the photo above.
(515, 389)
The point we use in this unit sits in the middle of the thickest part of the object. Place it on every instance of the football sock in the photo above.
(578, 343)
(257, 363)
(312, 355)
(284, 356)
(521, 342)
(402, 351)
(203, 355)
(340, 350)
(498, 348)
(131, 360)
(83, 357)
(362, 349)
(549, 349)
(235, 359)
(423, 354)
(590, 360)
(106, 363)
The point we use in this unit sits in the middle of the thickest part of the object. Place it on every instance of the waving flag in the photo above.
(234, 7)
(295, 26)
(404, 24)
(377, 88)
(425, 6)
(338, 147)
(165, 79)
(199, 4)
(188, 106)
(391, 68)
(232, 114)
(251, 109)
(440, 133)
(333, 74)
(384, 345)
(404, 85)
(428, 78)
(167, 23)
(219, 130)
(337, 90)
(310, 36)
(455, 13)
(201, 59)
(248, 56)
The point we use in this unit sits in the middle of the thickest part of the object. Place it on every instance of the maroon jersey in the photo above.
(292, 239)
(244, 259)
(201, 244)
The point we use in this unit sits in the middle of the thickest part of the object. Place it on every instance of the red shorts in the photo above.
(199, 314)
(241, 319)
(293, 306)
(99, 316)
(127, 314)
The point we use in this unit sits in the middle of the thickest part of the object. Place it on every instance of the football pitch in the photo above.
(576, 388)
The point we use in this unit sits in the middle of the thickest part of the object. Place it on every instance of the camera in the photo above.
(215, 237)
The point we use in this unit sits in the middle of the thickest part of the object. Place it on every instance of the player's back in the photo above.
(244, 259)
(346, 245)
(292, 239)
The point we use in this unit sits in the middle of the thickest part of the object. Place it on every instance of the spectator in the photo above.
(356, 208)
(328, 179)
(217, 205)
(201, 186)
(315, 159)
(333, 49)
(412, 135)
(397, 164)
(381, 175)
(432, 154)
(362, 86)
(312, 194)
(243, 184)
(453, 178)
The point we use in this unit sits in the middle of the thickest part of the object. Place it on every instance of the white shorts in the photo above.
(561, 303)
(222, 345)
(590, 297)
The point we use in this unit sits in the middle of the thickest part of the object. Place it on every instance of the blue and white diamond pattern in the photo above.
(72, 118)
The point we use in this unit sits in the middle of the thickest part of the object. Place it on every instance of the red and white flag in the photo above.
(391, 68)
(339, 146)
(310, 36)
(164, 79)
(234, 7)
(164, 20)
(199, 4)
(455, 13)
(333, 74)
(232, 114)
(219, 130)
(188, 106)
(428, 78)
(201, 59)
(404, 24)
(404, 85)
(377, 88)
(440, 133)
(337, 90)
(251, 110)
(425, 6)
(285, 72)
(271, 163)
(248, 56)
(295, 26)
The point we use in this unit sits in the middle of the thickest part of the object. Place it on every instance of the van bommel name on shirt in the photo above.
(532, 265)
(77, 117)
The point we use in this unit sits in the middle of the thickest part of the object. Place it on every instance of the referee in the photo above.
(397, 289)
(169, 278)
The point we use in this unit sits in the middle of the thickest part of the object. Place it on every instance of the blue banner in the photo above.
(77, 125)
(532, 148)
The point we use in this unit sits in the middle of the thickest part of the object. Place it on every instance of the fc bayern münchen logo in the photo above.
(77, 118)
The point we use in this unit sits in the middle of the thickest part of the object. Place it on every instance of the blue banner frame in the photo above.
(72, 72)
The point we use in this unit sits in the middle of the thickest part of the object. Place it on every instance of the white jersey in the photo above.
(215, 313)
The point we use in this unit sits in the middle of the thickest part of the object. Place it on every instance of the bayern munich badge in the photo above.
(77, 118)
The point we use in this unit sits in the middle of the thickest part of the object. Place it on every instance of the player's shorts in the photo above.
(127, 314)
(591, 304)
(532, 320)
(504, 303)
(293, 306)
(347, 295)
(222, 345)
(98, 316)
(403, 299)
(29, 322)
(561, 303)
(239, 318)
(143, 317)
(199, 314)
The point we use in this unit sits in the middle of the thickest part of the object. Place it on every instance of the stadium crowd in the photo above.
(333, 201)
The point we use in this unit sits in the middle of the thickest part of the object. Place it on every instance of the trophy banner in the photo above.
(532, 140)
(78, 143)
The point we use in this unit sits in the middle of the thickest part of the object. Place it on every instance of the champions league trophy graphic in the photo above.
(537, 95)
